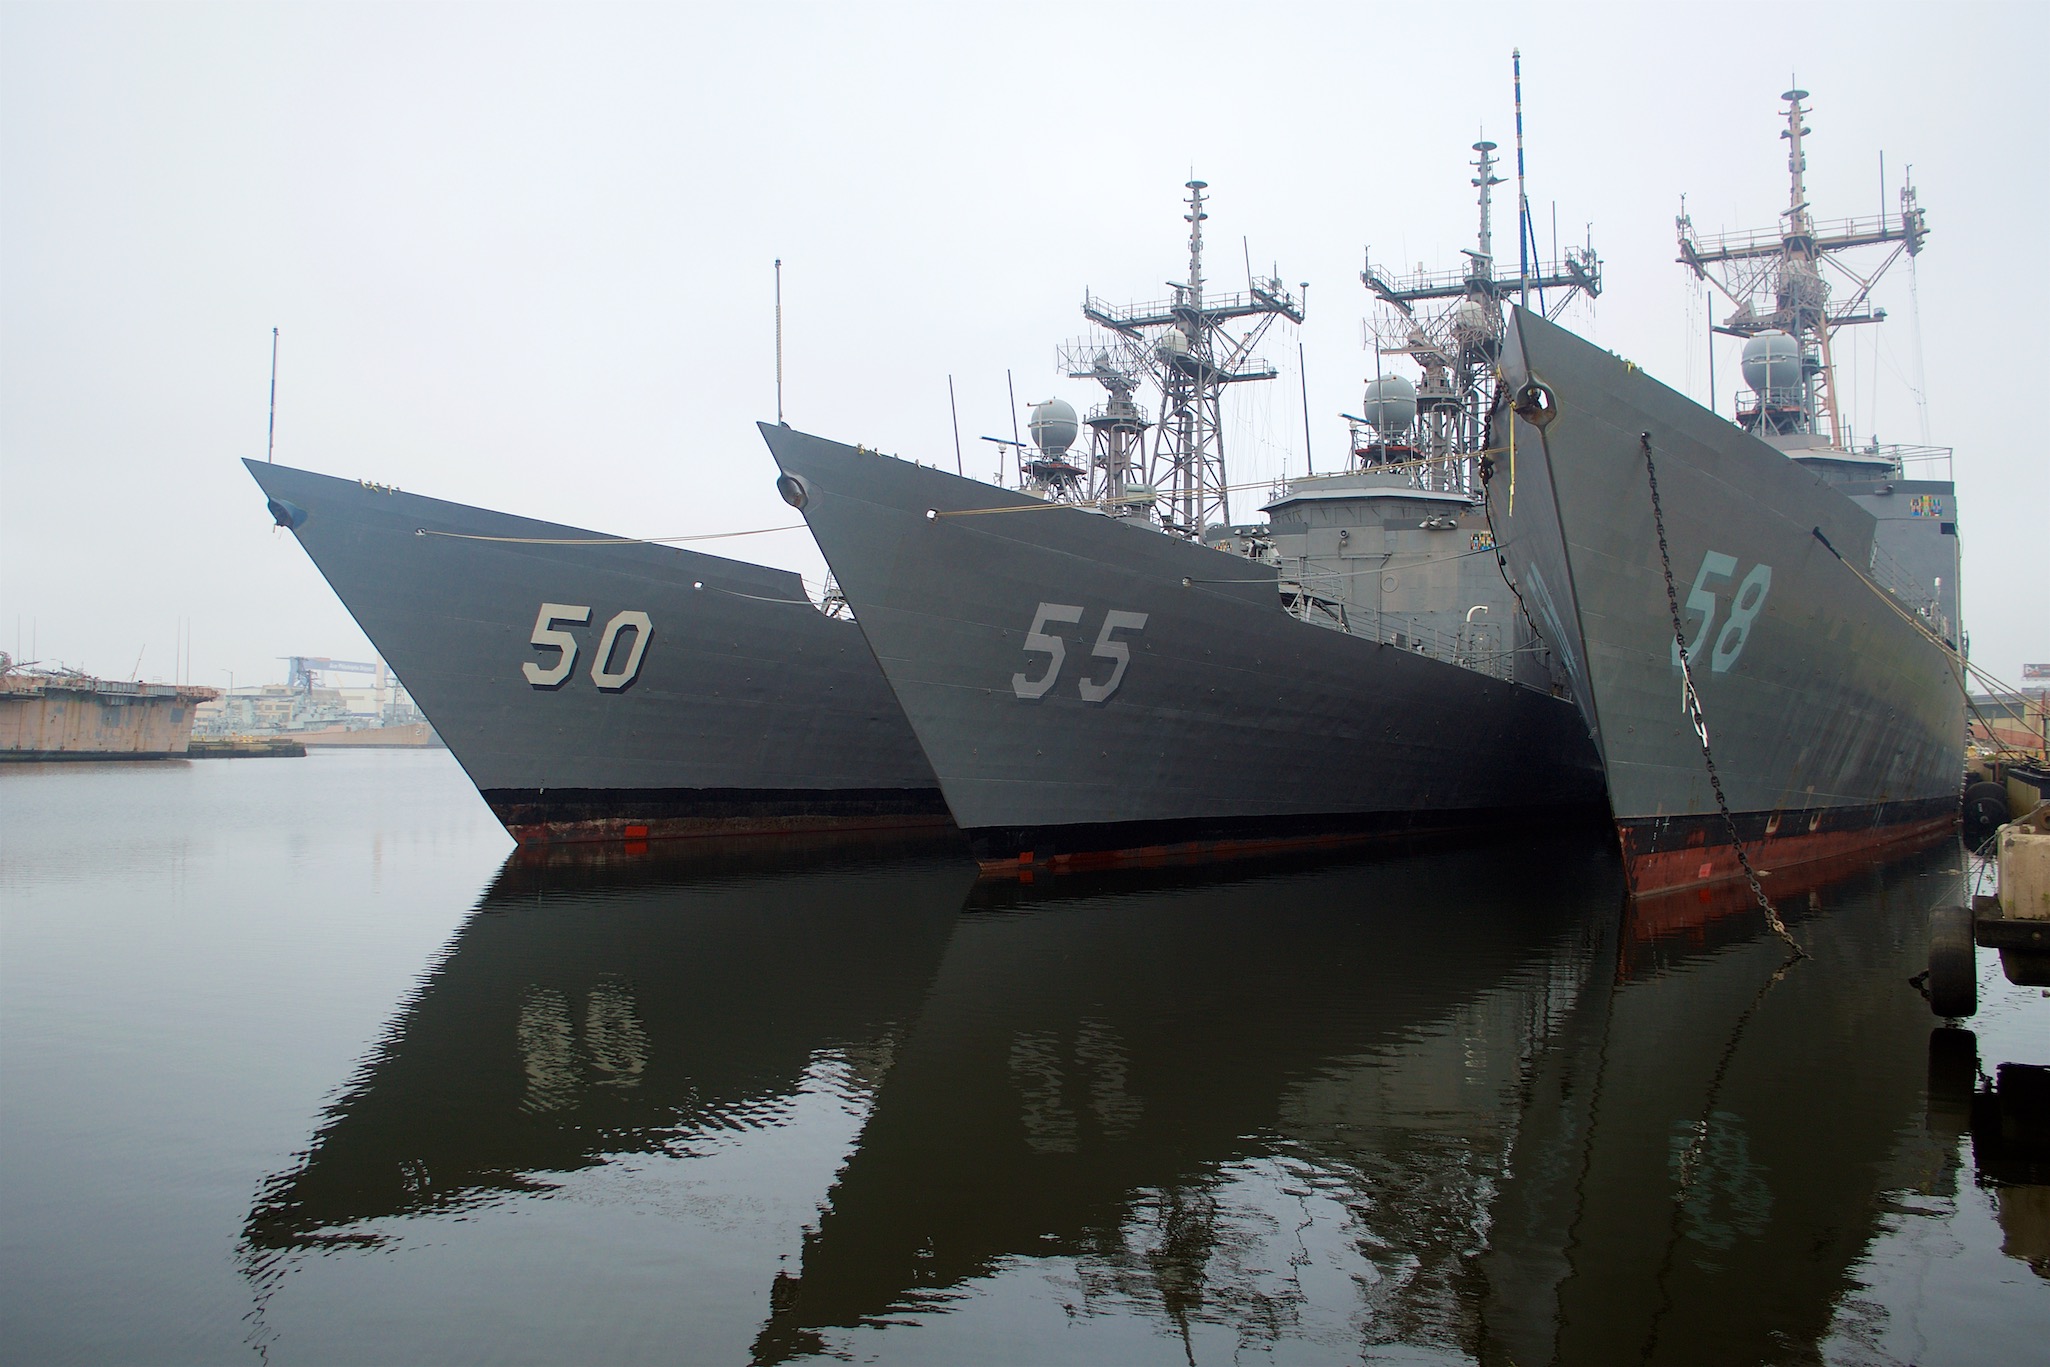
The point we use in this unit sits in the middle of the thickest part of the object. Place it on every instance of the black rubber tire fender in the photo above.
(1953, 963)
(1985, 810)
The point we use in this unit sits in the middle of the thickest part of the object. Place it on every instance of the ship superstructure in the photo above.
(1398, 546)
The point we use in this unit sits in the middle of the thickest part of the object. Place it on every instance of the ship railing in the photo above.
(1932, 462)
(1160, 312)
(1925, 600)
(1320, 599)
(120, 688)
(1831, 234)
(1132, 413)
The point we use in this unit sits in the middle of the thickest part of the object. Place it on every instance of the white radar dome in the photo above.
(1054, 426)
(1172, 343)
(1772, 363)
(1390, 404)
(1471, 319)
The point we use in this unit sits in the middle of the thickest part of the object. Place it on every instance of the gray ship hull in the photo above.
(725, 703)
(1085, 687)
(1835, 723)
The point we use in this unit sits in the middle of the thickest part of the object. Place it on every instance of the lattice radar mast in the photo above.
(1774, 278)
(1450, 324)
(1183, 345)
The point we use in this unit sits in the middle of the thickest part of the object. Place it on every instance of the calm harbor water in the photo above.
(297, 1066)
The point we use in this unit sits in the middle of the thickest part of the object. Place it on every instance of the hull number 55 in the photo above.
(609, 671)
(1040, 641)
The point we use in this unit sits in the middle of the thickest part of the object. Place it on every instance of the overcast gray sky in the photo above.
(520, 256)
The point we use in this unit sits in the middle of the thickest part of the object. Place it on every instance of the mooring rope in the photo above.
(701, 585)
(1955, 658)
(606, 540)
(1690, 702)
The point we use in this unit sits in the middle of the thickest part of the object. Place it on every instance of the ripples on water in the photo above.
(280, 1081)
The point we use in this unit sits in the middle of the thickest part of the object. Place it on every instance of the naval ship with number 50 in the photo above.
(1758, 620)
(597, 687)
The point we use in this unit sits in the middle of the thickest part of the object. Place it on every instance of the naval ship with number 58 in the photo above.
(1759, 620)
(598, 687)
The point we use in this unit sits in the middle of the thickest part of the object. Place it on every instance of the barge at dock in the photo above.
(66, 715)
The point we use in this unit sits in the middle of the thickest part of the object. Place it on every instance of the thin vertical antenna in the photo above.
(779, 341)
(1017, 444)
(1710, 311)
(955, 409)
(1246, 246)
(1301, 373)
(270, 449)
(1522, 201)
(1908, 212)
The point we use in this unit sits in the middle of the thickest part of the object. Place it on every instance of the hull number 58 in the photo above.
(614, 665)
(1040, 641)
(1745, 605)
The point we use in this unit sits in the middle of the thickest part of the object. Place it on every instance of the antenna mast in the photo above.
(779, 341)
(270, 449)
(1775, 280)
(1450, 324)
(1522, 199)
(1183, 344)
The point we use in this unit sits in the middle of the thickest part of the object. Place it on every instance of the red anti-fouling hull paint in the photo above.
(1702, 861)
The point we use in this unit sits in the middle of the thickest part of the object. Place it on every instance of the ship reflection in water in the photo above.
(1444, 1105)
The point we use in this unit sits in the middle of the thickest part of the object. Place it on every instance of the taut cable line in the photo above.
(606, 540)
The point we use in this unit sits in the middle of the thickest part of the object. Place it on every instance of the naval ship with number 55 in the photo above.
(1759, 619)
(598, 687)
(1125, 674)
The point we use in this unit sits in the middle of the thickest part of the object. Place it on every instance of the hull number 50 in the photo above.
(1745, 605)
(615, 664)
(1040, 641)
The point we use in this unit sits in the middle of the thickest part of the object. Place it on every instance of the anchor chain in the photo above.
(1692, 702)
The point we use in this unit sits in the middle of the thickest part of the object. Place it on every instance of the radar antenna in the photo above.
(1450, 324)
(1118, 426)
(1183, 346)
(1774, 280)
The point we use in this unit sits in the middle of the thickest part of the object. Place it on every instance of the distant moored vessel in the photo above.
(63, 714)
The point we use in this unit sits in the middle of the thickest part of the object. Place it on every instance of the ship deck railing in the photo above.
(1925, 600)
(80, 683)
(1833, 234)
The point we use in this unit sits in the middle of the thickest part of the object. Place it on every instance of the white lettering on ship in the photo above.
(1040, 641)
(611, 670)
